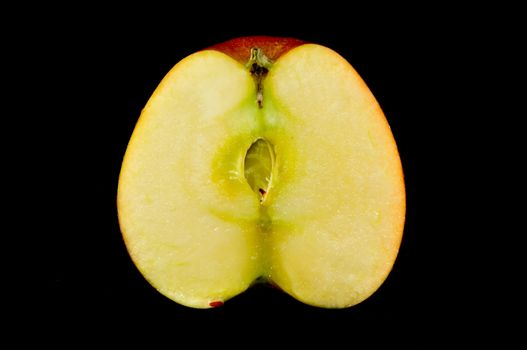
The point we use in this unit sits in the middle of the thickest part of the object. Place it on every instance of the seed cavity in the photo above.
(258, 167)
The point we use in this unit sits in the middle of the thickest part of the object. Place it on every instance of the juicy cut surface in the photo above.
(306, 191)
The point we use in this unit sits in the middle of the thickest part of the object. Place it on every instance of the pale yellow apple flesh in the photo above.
(306, 191)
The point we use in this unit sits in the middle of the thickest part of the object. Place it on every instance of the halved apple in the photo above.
(263, 158)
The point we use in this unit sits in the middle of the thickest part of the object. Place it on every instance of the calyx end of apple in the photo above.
(259, 65)
(239, 48)
(258, 60)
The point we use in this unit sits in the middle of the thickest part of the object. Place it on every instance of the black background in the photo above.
(99, 81)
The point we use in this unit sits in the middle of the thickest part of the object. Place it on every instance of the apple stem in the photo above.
(259, 65)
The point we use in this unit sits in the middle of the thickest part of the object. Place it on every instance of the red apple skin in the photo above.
(272, 47)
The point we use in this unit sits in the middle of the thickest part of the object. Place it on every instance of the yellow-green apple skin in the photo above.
(262, 158)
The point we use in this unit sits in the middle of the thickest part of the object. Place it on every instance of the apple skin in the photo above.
(240, 48)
